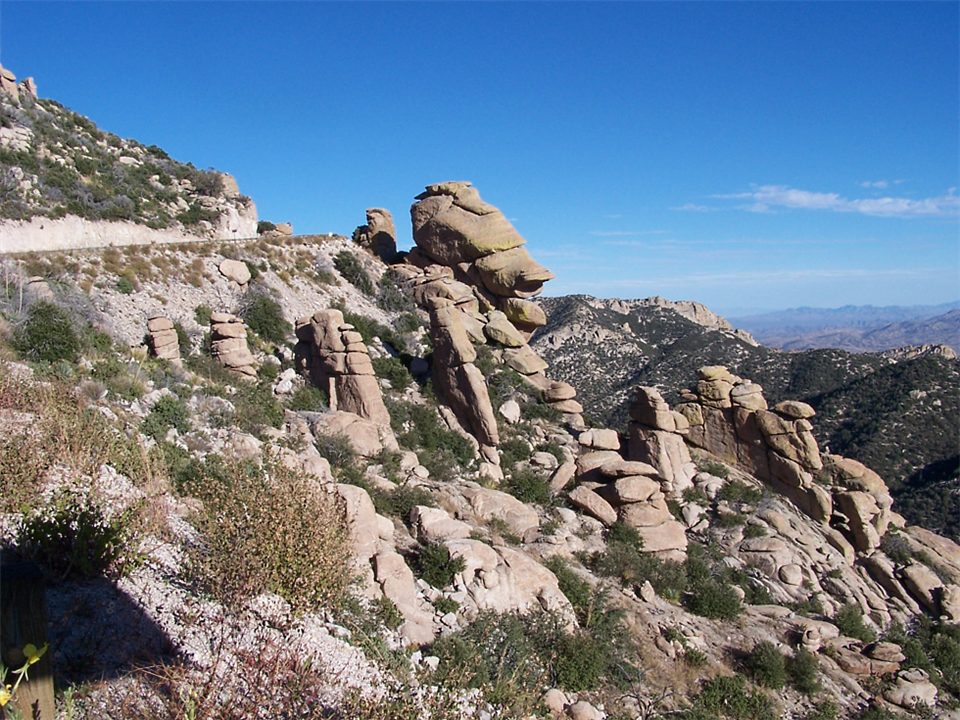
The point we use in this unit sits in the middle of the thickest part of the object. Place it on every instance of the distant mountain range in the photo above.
(862, 328)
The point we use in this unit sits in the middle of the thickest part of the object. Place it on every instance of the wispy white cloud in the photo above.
(613, 217)
(620, 233)
(690, 207)
(877, 184)
(767, 197)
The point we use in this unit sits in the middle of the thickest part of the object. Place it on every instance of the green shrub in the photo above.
(168, 412)
(124, 286)
(536, 410)
(400, 501)
(736, 492)
(897, 548)
(308, 398)
(714, 467)
(849, 619)
(577, 590)
(74, 539)
(391, 298)
(269, 530)
(256, 407)
(804, 671)
(202, 314)
(766, 665)
(265, 226)
(625, 560)
(512, 451)
(392, 370)
(446, 605)
(46, 334)
(728, 697)
(825, 710)
(183, 340)
(264, 316)
(553, 448)
(420, 429)
(528, 487)
(352, 271)
(433, 565)
(754, 531)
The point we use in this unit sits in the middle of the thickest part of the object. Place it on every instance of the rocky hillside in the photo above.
(66, 183)
(608, 347)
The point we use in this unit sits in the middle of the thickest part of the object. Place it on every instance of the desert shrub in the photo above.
(168, 412)
(264, 316)
(265, 226)
(434, 565)
(74, 539)
(766, 665)
(714, 467)
(352, 271)
(736, 492)
(577, 590)
(897, 548)
(256, 407)
(625, 560)
(553, 448)
(446, 605)
(502, 385)
(849, 619)
(202, 314)
(707, 595)
(392, 370)
(46, 334)
(513, 450)
(730, 520)
(420, 429)
(124, 286)
(391, 298)
(536, 410)
(269, 529)
(400, 501)
(825, 710)
(694, 657)
(728, 697)
(754, 531)
(309, 398)
(525, 485)
(803, 670)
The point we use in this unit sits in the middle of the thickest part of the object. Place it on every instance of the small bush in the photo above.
(577, 590)
(754, 531)
(399, 502)
(202, 314)
(269, 530)
(737, 492)
(352, 271)
(849, 619)
(512, 451)
(124, 286)
(392, 370)
(168, 412)
(526, 486)
(728, 697)
(434, 565)
(309, 398)
(804, 671)
(46, 334)
(264, 316)
(896, 548)
(265, 226)
(714, 467)
(766, 665)
(74, 539)
(256, 407)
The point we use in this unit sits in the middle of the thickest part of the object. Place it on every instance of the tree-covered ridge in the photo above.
(55, 162)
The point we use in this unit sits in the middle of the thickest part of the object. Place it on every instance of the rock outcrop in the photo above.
(379, 235)
(162, 339)
(228, 344)
(332, 353)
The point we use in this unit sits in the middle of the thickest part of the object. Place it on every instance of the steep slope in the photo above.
(66, 183)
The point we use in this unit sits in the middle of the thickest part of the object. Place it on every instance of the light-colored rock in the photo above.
(794, 409)
(924, 584)
(488, 504)
(501, 331)
(235, 270)
(562, 477)
(645, 514)
(436, 525)
(913, 688)
(588, 500)
(582, 710)
(662, 538)
(791, 574)
(600, 439)
(510, 411)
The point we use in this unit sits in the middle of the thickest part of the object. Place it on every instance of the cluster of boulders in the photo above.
(379, 235)
(162, 339)
(228, 344)
(9, 85)
(332, 353)
(471, 258)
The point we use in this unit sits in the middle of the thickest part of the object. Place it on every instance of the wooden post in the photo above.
(23, 620)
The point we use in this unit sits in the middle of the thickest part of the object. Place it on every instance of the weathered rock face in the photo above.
(470, 271)
(459, 380)
(235, 270)
(163, 341)
(334, 356)
(379, 234)
(228, 344)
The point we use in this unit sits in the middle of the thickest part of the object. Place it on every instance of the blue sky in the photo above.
(744, 155)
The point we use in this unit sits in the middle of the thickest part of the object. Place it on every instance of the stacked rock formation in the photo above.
(9, 85)
(611, 488)
(728, 417)
(162, 339)
(379, 235)
(460, 381)
(336, 359)
(228, 344)
(470, 255)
